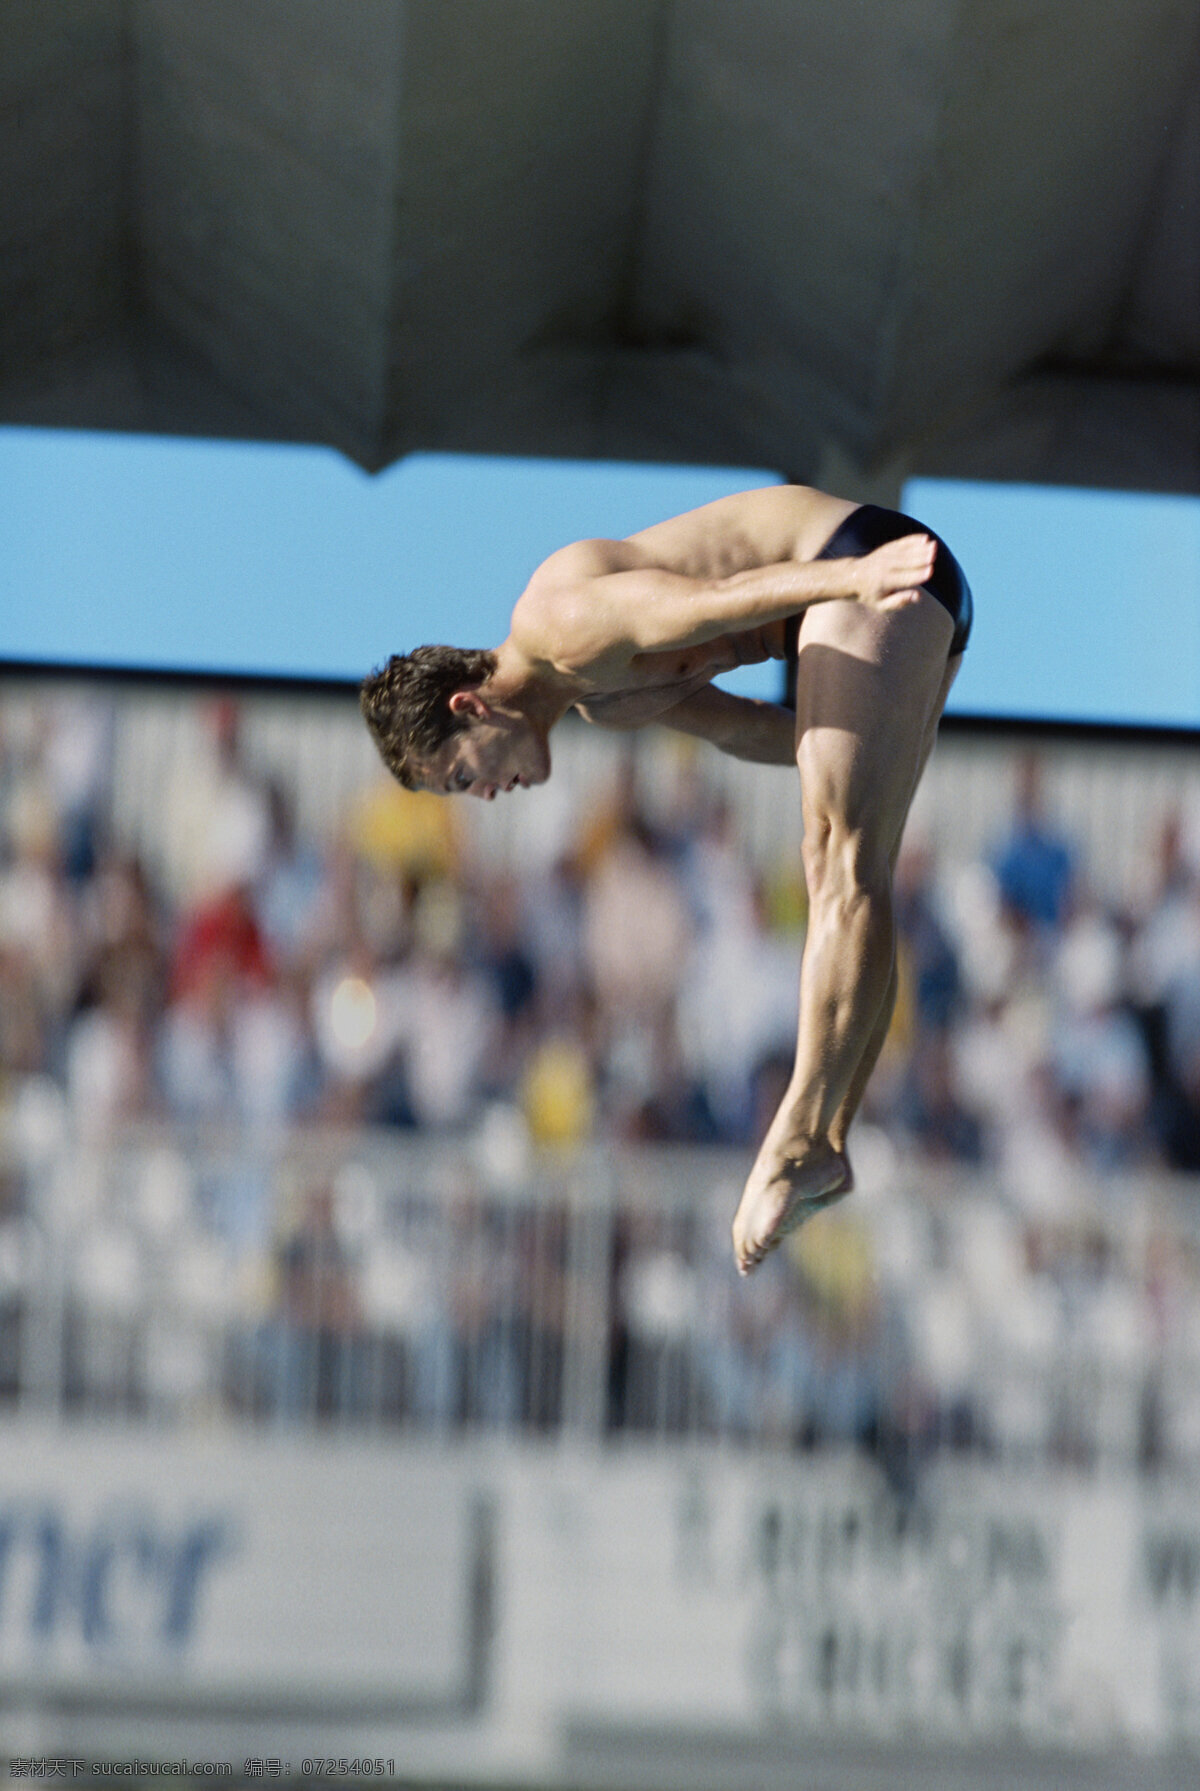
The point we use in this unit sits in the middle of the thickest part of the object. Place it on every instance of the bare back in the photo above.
(748, 529)
(751, 529)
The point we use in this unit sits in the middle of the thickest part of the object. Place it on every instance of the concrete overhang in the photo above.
(849, 243)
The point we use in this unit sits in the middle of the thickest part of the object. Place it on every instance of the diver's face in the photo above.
(488, 756)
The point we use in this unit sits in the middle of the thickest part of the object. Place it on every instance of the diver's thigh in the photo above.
(927, 746)
(869, 686)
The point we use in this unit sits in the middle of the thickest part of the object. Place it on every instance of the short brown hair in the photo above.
(406, 703)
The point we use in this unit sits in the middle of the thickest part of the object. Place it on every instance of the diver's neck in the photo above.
(537, 691)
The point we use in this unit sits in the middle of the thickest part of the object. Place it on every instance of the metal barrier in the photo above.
(367, 1282)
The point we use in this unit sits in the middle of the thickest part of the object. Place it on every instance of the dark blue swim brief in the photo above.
(870, 527)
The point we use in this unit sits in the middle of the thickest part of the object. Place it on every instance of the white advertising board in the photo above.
(809, 1598)
(494, 1603)
(240, 1574)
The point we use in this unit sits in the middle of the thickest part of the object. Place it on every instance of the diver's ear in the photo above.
(468, 702)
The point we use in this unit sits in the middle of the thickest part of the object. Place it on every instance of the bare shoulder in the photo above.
(555, 619)
(583, 560)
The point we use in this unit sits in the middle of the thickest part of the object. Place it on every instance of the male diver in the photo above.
(875, 612)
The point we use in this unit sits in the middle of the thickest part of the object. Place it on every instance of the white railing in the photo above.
(366, 1282)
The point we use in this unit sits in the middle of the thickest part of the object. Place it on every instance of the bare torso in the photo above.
(735, 534)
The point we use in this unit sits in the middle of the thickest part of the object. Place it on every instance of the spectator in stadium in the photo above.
(1165, 970)
(75, 751)
(223, 815)
(636, 933)
(553, 904)
(1098, 1051)
(500, 953)
(292, 898)
(220, 935)
(737, 1015)
(450, 1015)
(39, 918)
(931, 1108)
(315, 1353)
(110, 1071)
(928, 950)
(1035, 865)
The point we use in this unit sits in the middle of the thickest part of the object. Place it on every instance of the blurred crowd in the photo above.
(642, 986)
(638, 987)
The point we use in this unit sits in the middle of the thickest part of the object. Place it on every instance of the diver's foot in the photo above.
(786, 1187)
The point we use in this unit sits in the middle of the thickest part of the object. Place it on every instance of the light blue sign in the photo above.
(286, 562)
(289, 562)
(1087, 603)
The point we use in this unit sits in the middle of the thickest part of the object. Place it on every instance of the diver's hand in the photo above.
(895, 572)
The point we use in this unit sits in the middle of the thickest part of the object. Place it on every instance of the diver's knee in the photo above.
(844, 863)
